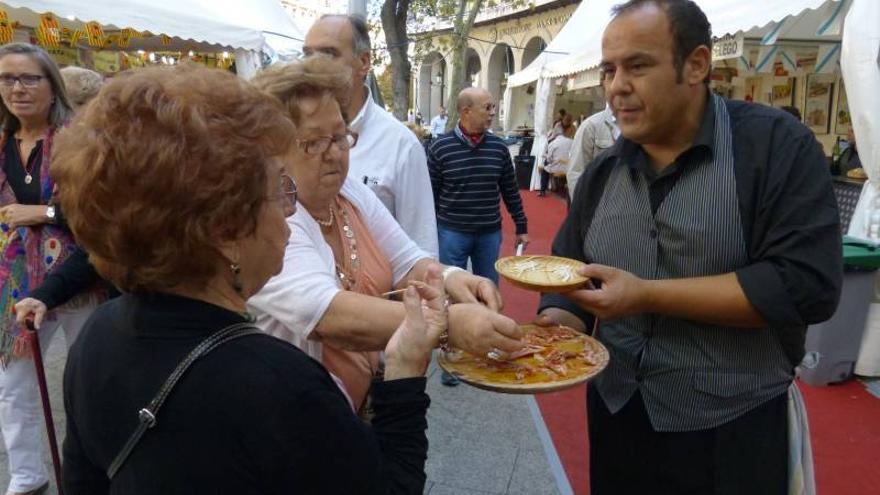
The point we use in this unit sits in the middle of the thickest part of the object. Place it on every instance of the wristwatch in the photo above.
(50, 213)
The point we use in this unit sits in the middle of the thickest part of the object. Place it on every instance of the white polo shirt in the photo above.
(391, 161)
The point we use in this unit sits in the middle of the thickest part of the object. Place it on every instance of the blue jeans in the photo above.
(456, 247)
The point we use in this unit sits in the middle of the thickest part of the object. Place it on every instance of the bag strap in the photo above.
(147, 415)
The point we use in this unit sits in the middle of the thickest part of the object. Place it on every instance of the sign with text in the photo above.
(730, 46)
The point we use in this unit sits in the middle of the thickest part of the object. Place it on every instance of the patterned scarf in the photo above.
(27, 254)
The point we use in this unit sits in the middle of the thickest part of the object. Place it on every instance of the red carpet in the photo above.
(844, 419)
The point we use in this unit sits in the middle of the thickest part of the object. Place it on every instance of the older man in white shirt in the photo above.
(388, 157)
(594, 135)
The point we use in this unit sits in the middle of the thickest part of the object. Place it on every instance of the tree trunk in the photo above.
(460, 31)
(394, 13)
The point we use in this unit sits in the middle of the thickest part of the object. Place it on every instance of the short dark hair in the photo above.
(360, 32)
(688, 25)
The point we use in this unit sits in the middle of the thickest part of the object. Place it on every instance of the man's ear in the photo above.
(697, 65)
(365, 64)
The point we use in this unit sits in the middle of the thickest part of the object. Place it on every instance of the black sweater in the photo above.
(256, 415)
(468, 180)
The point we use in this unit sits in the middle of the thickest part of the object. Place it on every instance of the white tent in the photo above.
(860, 63)
(248, 28)
(794, 19)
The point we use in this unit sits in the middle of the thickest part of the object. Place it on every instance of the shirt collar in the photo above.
(633, 154)
(358, 121)
(472, 139)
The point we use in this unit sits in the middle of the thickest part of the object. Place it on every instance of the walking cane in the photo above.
(44, 396)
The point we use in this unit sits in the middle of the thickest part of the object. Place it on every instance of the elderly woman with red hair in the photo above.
(173, 181)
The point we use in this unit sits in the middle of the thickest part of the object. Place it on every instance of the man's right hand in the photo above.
(477, 329)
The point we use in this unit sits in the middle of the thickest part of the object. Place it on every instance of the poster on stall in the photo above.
(106, 62)
(817, 110)
(64, 55)
(782, 93)
(843, 122)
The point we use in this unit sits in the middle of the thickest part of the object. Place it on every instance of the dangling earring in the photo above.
(236, 277)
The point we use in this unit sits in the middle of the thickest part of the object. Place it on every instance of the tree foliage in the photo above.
(416, 22)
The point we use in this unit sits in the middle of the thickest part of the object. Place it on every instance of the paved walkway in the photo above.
(480, 442)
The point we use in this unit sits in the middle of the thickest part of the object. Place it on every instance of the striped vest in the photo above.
(691, 375)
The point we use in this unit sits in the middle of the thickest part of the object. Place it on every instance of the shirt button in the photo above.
(653, 233)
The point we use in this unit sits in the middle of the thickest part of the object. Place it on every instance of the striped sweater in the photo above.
(468, 179)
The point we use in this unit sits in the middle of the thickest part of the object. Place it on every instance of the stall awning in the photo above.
(795, 19)
(227, 23)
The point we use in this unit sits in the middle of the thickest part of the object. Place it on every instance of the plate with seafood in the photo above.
(542, 273)
(554, 358)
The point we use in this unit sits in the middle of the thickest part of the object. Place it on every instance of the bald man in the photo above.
(388, 157)
(470, 170)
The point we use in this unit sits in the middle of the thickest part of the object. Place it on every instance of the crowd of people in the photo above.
(295, 254)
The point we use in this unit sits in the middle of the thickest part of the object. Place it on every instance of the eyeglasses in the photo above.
(320, 145)
(26, 80)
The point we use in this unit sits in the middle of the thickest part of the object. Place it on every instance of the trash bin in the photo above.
(524, 166)
(832, 347)
(525, 149)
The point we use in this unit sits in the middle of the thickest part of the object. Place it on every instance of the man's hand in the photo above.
(478, 330)
(465, 287)
(16, 215)
(621, 294)
(522, 239)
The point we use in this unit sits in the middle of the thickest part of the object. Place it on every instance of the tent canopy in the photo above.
(583, 40)
(225, 24)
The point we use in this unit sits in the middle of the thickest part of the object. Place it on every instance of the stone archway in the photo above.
(473, 67)
(432, 84)
(500, 65)
(533, 48)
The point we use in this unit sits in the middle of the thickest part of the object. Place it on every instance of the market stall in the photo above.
(109, 35)
(775, 44)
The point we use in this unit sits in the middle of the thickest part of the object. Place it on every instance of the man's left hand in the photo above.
(465, 287)
(621, 293)
(522, 239)
(16, 215)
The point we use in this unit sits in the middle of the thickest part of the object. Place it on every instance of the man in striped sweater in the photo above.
(470, 170)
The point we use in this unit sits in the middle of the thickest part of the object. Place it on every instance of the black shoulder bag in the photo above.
(147, 415)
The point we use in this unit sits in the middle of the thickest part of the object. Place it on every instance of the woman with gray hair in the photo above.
(82, 84)
(34, 107)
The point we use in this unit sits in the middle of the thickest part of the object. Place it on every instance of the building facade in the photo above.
(503, 41)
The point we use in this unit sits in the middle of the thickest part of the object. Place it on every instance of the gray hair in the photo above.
(82, 84)
(60, 111)
(360, 36)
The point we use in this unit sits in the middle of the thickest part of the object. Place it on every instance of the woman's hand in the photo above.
(465, 287)
(16, 215)
(478, 330)
(409, 350)
(30, 307)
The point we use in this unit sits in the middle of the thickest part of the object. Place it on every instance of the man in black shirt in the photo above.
(712, 233)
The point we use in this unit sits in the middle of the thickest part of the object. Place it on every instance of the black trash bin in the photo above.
(524, 166)
(525, 148)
